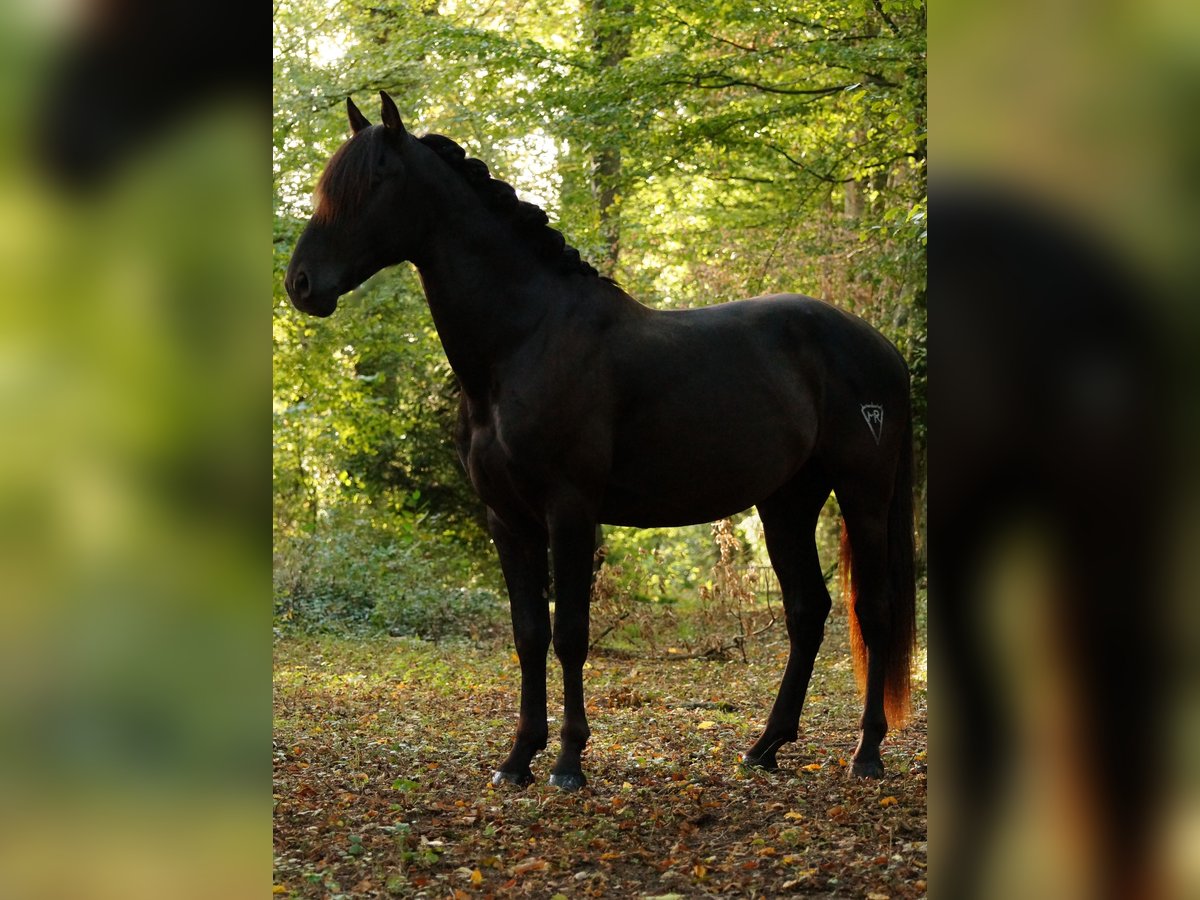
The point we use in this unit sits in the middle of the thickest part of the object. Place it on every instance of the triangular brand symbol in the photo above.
(873, 413)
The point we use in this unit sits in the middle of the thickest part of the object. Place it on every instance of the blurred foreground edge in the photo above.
(1051, 428)
(136, 701)
(133, 70)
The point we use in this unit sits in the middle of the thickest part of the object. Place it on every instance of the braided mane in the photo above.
(529, 220)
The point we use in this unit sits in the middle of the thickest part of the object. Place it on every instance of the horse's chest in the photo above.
(501, 461)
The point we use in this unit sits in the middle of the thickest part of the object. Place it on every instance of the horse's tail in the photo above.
(902, 592)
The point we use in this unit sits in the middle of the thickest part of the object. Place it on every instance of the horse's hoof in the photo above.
(765, 763)
(517, 779)
(568, 781)
(866, 769)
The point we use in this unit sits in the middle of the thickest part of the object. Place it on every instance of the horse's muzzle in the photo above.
(300, 291)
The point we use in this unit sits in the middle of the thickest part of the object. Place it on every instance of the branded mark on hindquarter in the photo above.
(873, 413)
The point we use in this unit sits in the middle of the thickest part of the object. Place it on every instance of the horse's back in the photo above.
(789, 343)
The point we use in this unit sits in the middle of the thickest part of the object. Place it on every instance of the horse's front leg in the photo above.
(526, 573)
(572, 543)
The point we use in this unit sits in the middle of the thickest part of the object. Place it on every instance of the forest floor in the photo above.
(384, 750)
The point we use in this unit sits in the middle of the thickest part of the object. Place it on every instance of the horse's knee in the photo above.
(531, 643)
(571, 645)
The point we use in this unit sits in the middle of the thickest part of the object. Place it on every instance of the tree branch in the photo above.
(886, 18)
(828, 179)
(699, 81)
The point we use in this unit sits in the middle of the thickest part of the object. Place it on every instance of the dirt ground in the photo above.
(384, 749)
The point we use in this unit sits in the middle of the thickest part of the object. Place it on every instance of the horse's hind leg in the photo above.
(789, 519)
(526, 573)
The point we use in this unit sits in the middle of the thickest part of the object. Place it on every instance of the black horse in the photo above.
(580, 406)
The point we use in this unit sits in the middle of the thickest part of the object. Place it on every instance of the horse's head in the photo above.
(358, 227)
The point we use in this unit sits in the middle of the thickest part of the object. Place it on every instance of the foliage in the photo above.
(435, 612)
(658, 565)
(704, 151)
(355, 572)
(645, 600)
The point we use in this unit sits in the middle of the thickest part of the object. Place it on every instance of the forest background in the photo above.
(697, 152)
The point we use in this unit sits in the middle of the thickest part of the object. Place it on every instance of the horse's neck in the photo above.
(486, 292)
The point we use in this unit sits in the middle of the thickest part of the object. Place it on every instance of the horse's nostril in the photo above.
(300, 286)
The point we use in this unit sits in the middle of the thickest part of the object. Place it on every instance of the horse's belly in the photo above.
(695, 487)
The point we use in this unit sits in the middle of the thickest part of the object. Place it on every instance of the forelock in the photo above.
(344, 184)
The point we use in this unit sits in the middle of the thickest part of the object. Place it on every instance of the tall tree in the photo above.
(611, 24)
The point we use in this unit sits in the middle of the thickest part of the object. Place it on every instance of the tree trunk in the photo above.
(612, 30)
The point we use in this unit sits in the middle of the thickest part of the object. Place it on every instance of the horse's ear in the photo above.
(389, 113)
(357, 120)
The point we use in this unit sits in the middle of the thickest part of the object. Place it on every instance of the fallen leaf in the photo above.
(666, 832)
(800, 878)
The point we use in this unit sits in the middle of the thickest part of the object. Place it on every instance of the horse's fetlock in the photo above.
(575, 733)
(534, 737)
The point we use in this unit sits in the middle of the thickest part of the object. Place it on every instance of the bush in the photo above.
(436, 613)
(353, 573)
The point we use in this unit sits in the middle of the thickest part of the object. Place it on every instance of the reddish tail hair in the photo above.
(902, 594)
